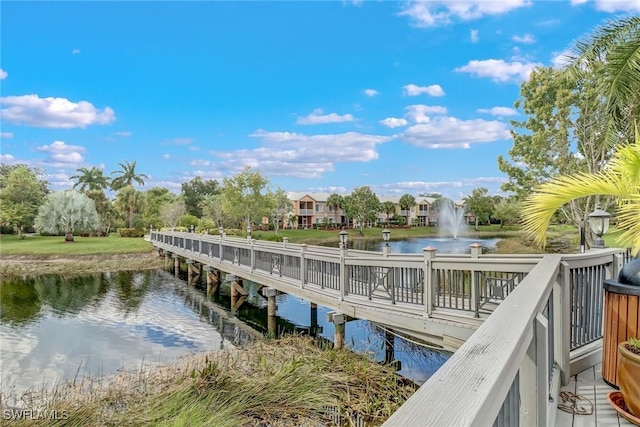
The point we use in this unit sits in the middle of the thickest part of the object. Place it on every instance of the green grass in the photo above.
(37, 245)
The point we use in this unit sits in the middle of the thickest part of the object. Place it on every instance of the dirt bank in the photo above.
(20, 265)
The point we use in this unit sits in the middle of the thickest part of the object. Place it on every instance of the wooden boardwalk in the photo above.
(589, 383)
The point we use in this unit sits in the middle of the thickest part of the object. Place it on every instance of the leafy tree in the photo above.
(246, 197)
(90, 179)
(21, 192)
(388, 208)
(195, 191)
(154, 199)
(105, 210)
(188, 221)
(281, 207)
(507, 210)
(171, 212)
(335, 202)
(129, 201)
(213, 207)
(127, 175)
(621, 179)
(616, 44)
(65, 211)
(363, 206)
(406, 202)
(480, 204)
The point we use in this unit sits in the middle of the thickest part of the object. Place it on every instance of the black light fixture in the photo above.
(599, 223)
(386, 235)
(343, 238)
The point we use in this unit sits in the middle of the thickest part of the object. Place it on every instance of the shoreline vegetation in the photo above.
(291, 381)
(39, 255)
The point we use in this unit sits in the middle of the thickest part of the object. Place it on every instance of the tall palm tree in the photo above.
(621, 179)
(90, 179)
(127, 175)
(406, 202)
(388, 208)
(334, 201)
(617, 43)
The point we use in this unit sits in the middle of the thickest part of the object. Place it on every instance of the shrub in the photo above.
(131, 232)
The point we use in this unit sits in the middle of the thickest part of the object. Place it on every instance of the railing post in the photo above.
(220, 257)
(429, 288)
(252, 257)
(541, 336)
(616, 266)
(343, 272)
(285, 242)
(303, 264)
(562, 319)
(476, 251)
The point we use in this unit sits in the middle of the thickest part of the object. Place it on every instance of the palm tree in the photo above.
(334, 201)
(129, 201)
(127, 175)
(90, 179)
(621, 179)
(617, 43)
(406, 202)
(388, 208)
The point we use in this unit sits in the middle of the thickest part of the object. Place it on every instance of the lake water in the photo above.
(408, 246)
(55, 328)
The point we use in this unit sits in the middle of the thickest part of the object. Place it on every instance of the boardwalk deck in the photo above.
(589, 383)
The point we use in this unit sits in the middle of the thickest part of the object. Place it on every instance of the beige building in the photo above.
(311, 209)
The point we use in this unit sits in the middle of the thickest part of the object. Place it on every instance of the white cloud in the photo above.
(561, 59)
(576, 2)
(57, 113)
(166, 156)
(612, 6)
(370, 92)
(499, 111)
(420, 113)
(62, 155)
(182, 141)
(6, 135)
(524, 38)
(200, 162)
(300, 155)
(125, 133)
(451, 132)
(434, 13)
(318, 118)
(3, 74)
(393, 122)
(75, 51)
(415, 90)
(499, 70)
(7, 158)
(474, 36)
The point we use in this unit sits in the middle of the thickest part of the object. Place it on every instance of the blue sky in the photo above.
(405, 97)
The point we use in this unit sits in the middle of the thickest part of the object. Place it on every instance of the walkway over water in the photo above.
(539, 319)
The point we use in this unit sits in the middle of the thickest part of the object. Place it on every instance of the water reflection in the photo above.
(416, 245)
(57, 328)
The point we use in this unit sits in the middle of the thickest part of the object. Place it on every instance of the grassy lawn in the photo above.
(37, 245)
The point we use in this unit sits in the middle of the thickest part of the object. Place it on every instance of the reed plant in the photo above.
(291, 381)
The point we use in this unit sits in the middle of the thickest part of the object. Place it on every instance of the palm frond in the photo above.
(539, 207)
(628, 215)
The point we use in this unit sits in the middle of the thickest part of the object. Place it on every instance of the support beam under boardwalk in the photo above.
(339, 320)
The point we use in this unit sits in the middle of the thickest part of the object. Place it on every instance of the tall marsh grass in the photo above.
(290, 381)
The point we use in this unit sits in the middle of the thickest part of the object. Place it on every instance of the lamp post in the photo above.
(599, 223)
(221, 231)
(343, 239)
(193, 227)
(249, 232)
(386, 234)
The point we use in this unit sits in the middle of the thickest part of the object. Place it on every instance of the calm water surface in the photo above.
(54, 328)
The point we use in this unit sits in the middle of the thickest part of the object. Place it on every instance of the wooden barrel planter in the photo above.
(621, 317)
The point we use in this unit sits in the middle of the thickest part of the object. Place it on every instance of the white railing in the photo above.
(510, 370)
